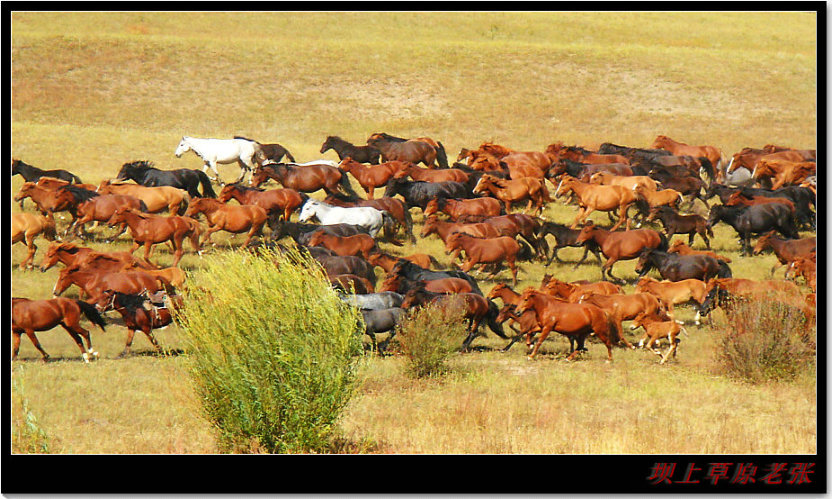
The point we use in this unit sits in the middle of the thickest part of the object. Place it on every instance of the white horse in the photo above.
(370, 218)
(740, 177)
(222, 151)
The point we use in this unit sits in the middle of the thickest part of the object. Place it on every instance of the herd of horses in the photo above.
(467, 204)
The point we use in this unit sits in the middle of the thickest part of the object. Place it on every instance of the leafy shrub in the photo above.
(766, 340)
(430, 335)
(272, 351)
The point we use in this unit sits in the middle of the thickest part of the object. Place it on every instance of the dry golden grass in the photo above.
(91, 91)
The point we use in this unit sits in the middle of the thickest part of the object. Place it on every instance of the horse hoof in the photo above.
(86, 357)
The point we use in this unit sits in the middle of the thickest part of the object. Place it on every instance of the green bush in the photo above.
(766, 340)
(272, 351)
(430, 335)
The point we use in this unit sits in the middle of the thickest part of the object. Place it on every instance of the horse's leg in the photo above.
(243, 169)
(85, 353)
(255, 230)
(83, 333)
(15, 342)
(211, 230)
(544, 333)
(34, 339)
(129, 343)
(149, 334)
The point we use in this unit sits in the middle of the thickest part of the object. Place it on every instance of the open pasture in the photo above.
(92, 91)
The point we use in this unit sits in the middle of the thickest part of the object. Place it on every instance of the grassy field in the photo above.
(92, 91)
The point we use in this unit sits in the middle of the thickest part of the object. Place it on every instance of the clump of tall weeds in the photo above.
(766, 340)
(430, 335)
(28, 436)
(272, 352)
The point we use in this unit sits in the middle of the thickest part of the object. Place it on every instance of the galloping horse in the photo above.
(680, 247)
(674, 293)
(305, 179)
(149, 230)
(484, 251)
(617, 246)
(283, 202)
(359, 244)
(570, 319)
(714, 155)
(510, 191)
(786, 250)
(72, 255)
(222, 151)
(455, 208)
(428, 175)
(93, 283)
(234, 219)
(675, 223)
(143, 173)
(29, 316)
(269, 152)
(156, 199)
(100, 209)
(783, 172)
(441, 155)
(675, 267)
(138, 313)
(413, 151)
(33, 174)
(417, 193)
(370, 218)
(449, 285)
(362, 154)
(593, 197)
(372, 177)
(25, 227)
(755, 220)
(395, 207)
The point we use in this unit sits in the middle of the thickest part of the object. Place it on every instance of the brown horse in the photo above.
(748, 158)
(49, 201)
(511, 191)
(805, 267)
(664, 197)
(413, 151)
(568, 290)
(429, 175)
(433, 225)
(714, 155)
(27, 226)
(305, 178)
(682, 248)
(522, 165)
(674, 293)
(737, 198)
(627, 182)
(93, 283)
(351, 283)
(101, 209)
(570, 319)
(786, 250)
(72, 255)
(598, 197)
(622, 307)
(29, 316)
(484, 251)
(387, 261)
(782, 291)
(455, 208)
(449, 285)
(372, 177)
(148, 230)
(234, 219)
(357, 245)
(581, 155)
(281, 201)
(138, 313)
(156, 199)
(783, 172)
(655, 327)
(617, 246)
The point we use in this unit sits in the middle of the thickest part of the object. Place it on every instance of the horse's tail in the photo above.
(546, 196)
(708, 167)
(612, 329)
(246, 138)
(526, 253)
(724, 270)
(92, 314)
(289, 155)
(207, 190)
(491, 320)
(408, 224)
(345, 184)
(75, 178)
(441, 155)
(663, 243)
(709, 230)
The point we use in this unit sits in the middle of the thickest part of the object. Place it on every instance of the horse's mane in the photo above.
(130, 302)
(139, 164)
(245, 138)
(79, 193)
(244, 188)
(387, 136)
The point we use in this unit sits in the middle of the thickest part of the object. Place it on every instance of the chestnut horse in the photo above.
(93, 283)
(101, 209)
(567, 290)
(786, 250)
(428, 175)
(581, 155)
(620, 245)
(655, 327)
(148, 230)
(675, 293)
(372, 177)
(156, 199)
(72, 255)
(682, 248)
(304, 178)
(138, 313)
(386, 261)
(27, 226)
(455, 208)
(783, 172)
(357, 245)
(29, 316)
(449, 285)
(484, 251)
(413, 151)
(570, 319)
(234, 219)
(598, 197)
(510, 191)
(433, 225)
(281, 201)
(621, 307)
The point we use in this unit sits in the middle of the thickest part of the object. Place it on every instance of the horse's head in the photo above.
(484, 184)
(198, 205)
(587, 232)
(497, 290)
(25, 191)
(659, 142)
(308, 211)
(715, 215)
(453, 242)
(432, 207)
(565, 184)
(183, 147)
(644, 263)
(526, 300)
(391, 283)
(317, 238)
(106, 300)
(430, 225)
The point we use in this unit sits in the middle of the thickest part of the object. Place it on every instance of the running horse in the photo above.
(234, 219)
(29, 316)
(33, 174)
(617, 246)
(713, 154)
(413, 151)
(220, 151)
(27, 226)
(143, 173)
(510, 191)
(370, 218)
(148, 230)
(305, 179)
(592, 197)
(282, 202)
(372, 177)
(138, 313)
(362, 154)
(441, 155)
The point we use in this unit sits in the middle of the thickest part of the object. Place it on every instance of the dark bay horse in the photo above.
(675, 267)
(748, 220)
(305, 178)
(441, 155)
(362, 154)
(413, 151)
(138, 314)
(29, 316)
(269, 152)
(417, 193)
(33, 174)
(143, 173)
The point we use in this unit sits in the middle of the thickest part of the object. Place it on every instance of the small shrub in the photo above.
(272, 351)
(766, 340)
(430, 335)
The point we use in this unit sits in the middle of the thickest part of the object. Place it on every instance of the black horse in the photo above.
(675, 223)
(413, 272)
(362, 154)
(33, 174)
(301, 232)
(441, 155)
(723, 191)
(269, 152)
(564, 238)
(675, 267)
(803, 198)
(143, 173)
(758, 219)
(418, 193)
